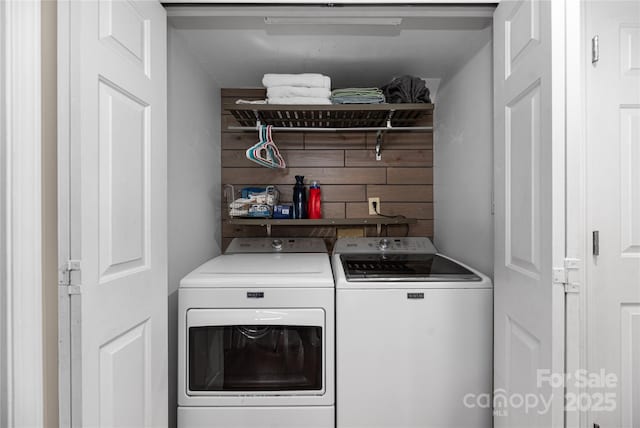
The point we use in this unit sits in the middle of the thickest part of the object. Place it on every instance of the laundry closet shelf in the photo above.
(334, 117)
(373, 221)
(321, 222)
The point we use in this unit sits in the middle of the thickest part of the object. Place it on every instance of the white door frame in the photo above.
(576, 201)
(21, 382)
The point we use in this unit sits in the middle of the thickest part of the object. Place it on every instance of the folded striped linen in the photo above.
(305, 80)
(357, 100)
(299, 100)
(357, 96)
(356, 92)
(297, 91)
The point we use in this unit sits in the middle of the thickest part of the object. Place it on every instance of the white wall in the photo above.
(4, 401)
(21, 358)
(193, 179)
(463, 162)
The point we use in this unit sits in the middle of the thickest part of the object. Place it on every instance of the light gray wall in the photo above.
(193, 179)
(463, 162)
(3, 236)
(48, 36)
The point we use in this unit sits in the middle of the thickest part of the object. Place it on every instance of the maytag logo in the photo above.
(255, 294)
(415, 295)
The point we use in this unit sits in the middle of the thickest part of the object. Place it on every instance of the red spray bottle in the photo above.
(314, 209)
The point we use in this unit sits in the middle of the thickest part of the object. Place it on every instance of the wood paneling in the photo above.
(335, 140)
(333, 210)
(244, 140)
(231, 230)
(234, 230)
(312, 158)
(419, 210)
(422, 228)
(403, 140)
(287, 176)
(293, 158)
(390, 157)
(401, 193)
(344, 164)
(409, 175)
(331, 193)
(227, 121)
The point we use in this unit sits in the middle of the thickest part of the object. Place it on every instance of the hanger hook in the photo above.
(379, 146)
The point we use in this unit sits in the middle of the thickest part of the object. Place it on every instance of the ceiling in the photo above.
(355, 46)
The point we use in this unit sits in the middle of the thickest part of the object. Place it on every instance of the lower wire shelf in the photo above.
(369, 221)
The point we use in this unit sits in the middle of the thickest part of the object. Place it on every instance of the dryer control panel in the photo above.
(406, 245)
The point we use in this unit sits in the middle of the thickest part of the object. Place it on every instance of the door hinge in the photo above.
(65, 275)
(595, 50)
(72, 265)
(563, 275)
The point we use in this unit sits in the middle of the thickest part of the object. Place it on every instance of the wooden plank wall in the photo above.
(345, 166)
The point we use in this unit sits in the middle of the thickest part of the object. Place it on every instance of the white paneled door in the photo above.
(113, 136)
(613, 150)
(529, 212)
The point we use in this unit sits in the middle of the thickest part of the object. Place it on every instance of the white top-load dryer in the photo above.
(256, 337)
(413, 339)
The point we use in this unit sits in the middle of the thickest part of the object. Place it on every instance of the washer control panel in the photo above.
(276, 245)
(384, 245)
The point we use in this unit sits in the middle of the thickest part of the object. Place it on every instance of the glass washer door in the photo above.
(261, 351)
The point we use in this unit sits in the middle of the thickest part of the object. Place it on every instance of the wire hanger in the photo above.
(265, 152)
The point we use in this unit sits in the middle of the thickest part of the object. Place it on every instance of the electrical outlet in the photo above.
(372, 211)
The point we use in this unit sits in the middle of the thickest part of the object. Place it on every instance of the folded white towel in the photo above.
(299, 100)
(297, 91)
(307, 80)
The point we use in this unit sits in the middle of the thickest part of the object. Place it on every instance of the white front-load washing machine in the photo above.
(256, 337)
(413, 339)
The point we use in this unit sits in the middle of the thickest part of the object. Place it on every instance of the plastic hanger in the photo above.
(253, 152)
(265, 152)
(272, 153)
(261, 140)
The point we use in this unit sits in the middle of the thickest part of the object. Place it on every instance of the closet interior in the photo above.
(437, 176)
